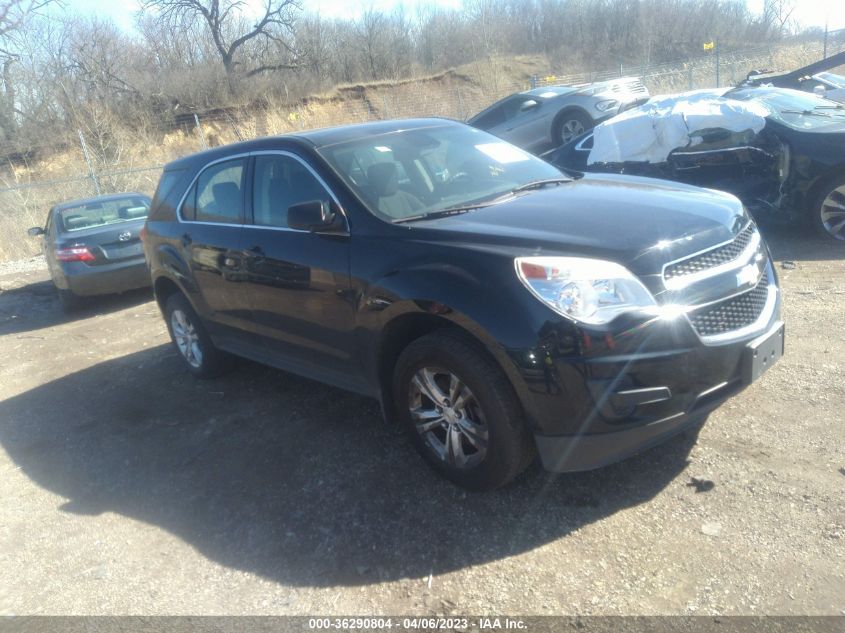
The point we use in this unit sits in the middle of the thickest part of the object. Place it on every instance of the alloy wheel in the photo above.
(833, 213)
(186, 337)
(571, 129)
(448, 417)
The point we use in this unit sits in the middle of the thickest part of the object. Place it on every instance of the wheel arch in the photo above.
(163, 288)
(817, 187)
(404, 329)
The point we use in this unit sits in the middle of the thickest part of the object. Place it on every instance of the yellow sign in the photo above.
(709, 45)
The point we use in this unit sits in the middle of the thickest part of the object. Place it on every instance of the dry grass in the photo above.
(456, 93)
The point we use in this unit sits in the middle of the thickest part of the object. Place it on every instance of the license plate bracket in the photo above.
(762, 353)
(123, 251)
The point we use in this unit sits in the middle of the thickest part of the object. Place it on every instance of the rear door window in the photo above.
(217, 196)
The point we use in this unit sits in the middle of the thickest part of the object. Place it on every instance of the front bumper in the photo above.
(85, 280)
(609, 399)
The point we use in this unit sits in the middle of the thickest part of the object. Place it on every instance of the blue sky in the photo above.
(807, 12)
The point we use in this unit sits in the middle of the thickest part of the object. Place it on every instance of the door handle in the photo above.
(186, 239)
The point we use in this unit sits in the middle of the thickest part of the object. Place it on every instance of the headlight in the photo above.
(592, 291)
(606, 105)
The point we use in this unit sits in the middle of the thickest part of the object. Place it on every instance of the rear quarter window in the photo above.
(167, 194)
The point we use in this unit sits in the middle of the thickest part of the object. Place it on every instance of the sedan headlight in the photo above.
(607, 104)
(592, 291)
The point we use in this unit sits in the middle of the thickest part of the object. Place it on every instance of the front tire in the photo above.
(461, 412)
(571, 125)
(828, 210)
(191, 340)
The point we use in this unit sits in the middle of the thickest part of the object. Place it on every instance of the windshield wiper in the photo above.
(806, 112)
(441, 213)
(539, 184)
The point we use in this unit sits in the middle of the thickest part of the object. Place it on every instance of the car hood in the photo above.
(639, 222)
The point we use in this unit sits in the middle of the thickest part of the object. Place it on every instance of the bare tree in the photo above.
(233, 34)
(13, 17)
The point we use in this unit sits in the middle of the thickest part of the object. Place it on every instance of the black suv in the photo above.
(495, 307)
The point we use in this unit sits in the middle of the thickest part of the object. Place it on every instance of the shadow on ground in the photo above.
(300, 483)
(34, 304)
(797, 242)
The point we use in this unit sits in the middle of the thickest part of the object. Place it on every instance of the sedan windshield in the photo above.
(798, 110)
(101, 212)
(449, 168)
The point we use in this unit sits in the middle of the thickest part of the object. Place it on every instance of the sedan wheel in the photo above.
(570, 130)
(570, 126)
(448, 417)
(832, 213)
(186, 338)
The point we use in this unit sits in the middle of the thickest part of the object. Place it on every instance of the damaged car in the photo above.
(815, 78)
(547, 117)
(781, 151)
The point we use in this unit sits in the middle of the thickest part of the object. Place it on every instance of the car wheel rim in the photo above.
(448, 417)
(186, 338)
(570, 130)
(833, 213)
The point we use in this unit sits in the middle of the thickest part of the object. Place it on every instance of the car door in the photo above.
(297, 282)
(212, 216)
(526, 125)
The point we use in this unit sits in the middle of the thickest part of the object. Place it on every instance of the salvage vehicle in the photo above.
(782, 152)
(504, 311)
(814, 78)
(93, 246)
(547, 117)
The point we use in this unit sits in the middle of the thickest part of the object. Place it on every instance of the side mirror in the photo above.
(314, 215)
(35, 230)
(528, 105)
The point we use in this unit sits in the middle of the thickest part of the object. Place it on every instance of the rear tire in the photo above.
(461, 412)
(191, 340)
(70, 302)
(827, 213)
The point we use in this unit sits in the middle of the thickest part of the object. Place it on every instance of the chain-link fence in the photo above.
(25, 205)
(26, 193)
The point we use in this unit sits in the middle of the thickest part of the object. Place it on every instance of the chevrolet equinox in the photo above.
(496, 308)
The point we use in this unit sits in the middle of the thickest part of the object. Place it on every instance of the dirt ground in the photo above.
(129, 487)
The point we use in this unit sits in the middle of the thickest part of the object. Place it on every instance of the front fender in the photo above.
(500, 314)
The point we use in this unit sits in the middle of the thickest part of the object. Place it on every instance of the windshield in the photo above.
(798, 110)
(408, 173)
(102, 212)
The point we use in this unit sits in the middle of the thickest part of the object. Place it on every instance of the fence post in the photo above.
(91, 173)
(533, 81)
(717, 64)
(461, 105)
(202, 134)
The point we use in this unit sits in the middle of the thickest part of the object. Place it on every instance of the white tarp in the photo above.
(649, 133)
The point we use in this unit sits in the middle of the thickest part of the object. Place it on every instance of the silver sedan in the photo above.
(544, 118)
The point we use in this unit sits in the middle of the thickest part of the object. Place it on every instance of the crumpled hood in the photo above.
(639, 222)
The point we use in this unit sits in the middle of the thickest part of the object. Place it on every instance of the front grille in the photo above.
(710, 259)
(732, 314)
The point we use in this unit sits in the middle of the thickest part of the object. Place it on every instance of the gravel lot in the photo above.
(131, 488)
